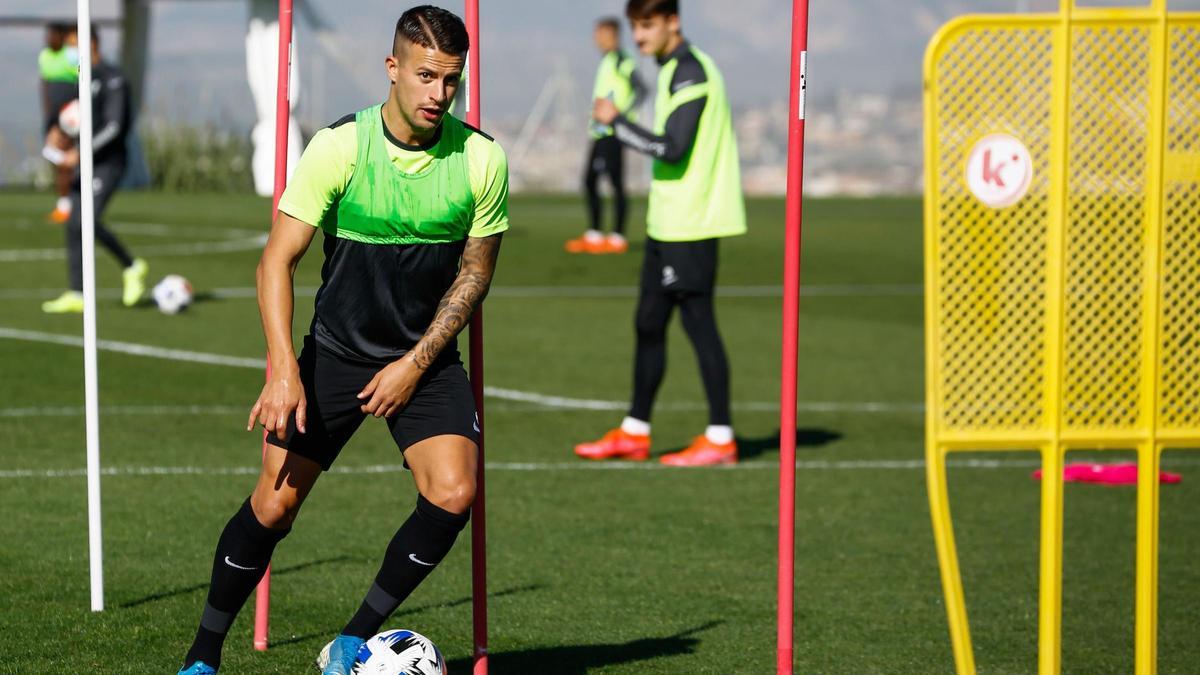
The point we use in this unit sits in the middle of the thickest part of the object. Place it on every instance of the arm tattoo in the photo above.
(459, 302)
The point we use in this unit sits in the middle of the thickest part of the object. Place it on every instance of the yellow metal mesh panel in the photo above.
(1179, 351)
(991, 263)
(1105, 228)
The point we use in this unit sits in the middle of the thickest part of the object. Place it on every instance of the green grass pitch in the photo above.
(591, 570)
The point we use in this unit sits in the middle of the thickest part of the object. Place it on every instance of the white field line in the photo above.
(219, 293)
(542, 292)
(503, 394)
(196, 410)
(859, 465)
(165, 230)
(234, 239)
(196, 248)
(124, 410)
(154, 229)
(134, 349)
(808, 465)
(151, 228)
(832, 290)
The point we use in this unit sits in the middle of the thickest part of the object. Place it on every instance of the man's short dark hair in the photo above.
(610, 22)
(433, 28)
(56, 34)
(644, 9)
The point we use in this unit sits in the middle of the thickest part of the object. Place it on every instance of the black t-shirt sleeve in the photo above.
(677, 137)
(112, 116)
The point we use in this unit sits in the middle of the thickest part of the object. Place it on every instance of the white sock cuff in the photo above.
(54, 155)
(632, 425)
(719, 433)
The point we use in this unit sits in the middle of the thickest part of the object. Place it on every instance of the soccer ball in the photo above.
(172, 294)
(69, 119)
(399, 652)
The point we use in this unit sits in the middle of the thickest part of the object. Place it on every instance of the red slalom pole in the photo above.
(791, 337)
(478, 523)
(262, 598)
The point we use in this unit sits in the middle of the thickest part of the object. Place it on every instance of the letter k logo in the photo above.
(999, 170)
(991, 174)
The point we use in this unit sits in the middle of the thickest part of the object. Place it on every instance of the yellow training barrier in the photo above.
(1062, 275)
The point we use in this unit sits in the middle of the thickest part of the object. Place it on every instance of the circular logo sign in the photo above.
(999, 170)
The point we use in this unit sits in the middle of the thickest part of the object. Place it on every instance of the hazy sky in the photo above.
(198, 57)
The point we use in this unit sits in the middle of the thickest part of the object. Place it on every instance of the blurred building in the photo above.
(861, 144)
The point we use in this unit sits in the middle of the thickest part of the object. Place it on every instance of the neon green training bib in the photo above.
(384, 205)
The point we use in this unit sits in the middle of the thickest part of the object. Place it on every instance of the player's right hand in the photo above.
(281, 396)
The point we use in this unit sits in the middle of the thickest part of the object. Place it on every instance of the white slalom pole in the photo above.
(87, 215)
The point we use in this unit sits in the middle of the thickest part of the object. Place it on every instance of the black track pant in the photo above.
(683, 275)
(107, 175)
(650, 364)
(606, 159)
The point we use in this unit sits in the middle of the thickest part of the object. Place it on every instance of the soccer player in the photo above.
(412, 204)
(58, 65)
(618, 81)
(695, 201)
(111, 119)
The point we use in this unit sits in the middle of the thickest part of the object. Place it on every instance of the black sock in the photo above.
(419, 545)
(243, 553)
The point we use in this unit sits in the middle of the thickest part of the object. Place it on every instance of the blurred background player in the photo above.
(616, 80)
(413, 204)
(58, 67)
(695, 200)
(112, 117)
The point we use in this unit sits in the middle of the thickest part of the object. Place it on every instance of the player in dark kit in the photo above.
(695, 201)
(412, 204)
(112, 118)
(618, 81)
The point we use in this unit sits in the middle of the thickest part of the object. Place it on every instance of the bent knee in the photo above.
(274, 510)
(455, 496)
(649, 327)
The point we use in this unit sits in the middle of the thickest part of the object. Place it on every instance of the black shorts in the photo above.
(442, 404)
(58, 95)
(606, 158)
(680, 267)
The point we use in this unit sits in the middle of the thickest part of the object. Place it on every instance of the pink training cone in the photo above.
(1107, 474)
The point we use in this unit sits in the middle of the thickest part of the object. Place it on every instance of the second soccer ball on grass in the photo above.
(173, 294)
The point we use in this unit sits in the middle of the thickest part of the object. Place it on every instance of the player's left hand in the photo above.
(604, 111)
(71, 157)
(389, 391)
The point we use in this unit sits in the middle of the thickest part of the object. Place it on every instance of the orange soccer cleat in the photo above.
(615, 243)
(589, 242)
(58, 216)
(702, 452)
(616, 444)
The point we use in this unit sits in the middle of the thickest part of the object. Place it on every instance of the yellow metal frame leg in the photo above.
(1050, 581)
(943, 536)
(1146, 608)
